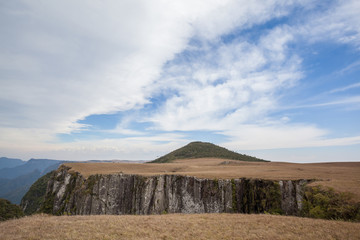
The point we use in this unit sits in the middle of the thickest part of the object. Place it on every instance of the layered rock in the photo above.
(70, 193)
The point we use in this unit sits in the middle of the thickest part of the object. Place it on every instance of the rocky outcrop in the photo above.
(70, 193)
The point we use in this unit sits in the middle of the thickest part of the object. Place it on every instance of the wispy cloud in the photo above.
(342, 89)
(339, 22)
(342, 101)
(353, 66)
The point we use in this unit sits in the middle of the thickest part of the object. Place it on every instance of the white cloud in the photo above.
(130, 148)
(339, 22)
(228, 85)
(251, 137)
(93, 57)
(241, 14)
(98, 57)
(63, 61)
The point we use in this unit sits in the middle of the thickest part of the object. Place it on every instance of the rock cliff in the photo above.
(70, 193)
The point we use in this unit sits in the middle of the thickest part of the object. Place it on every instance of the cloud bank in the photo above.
(168, 69)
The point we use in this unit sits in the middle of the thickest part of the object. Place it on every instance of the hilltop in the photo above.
(204, 150)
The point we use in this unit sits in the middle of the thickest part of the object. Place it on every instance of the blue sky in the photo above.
(137, 79)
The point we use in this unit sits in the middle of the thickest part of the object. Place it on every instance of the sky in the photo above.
(135, 79)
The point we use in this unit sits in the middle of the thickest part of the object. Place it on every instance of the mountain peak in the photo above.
(201, 150)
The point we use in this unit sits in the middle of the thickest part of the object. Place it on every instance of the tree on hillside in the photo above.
(9, 210)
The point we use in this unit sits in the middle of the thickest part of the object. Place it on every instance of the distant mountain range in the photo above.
(10, 162)
(16, 176)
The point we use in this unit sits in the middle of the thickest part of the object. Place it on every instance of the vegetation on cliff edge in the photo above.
(325, 203)
(9, 210)
(34, 198)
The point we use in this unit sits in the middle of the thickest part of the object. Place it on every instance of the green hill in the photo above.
(202, 150)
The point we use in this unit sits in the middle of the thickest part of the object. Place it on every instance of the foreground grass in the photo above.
(177, 226)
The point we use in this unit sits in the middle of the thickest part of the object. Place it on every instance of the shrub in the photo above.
(320, 202)
(9, 210)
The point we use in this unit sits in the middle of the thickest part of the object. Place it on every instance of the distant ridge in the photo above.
(10, 162)
(202, 150)
(16, 181)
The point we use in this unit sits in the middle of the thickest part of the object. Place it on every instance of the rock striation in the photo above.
(70, 193)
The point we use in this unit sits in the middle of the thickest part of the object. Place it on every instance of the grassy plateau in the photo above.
(342, 176)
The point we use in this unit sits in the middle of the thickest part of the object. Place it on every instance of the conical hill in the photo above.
(204, 150)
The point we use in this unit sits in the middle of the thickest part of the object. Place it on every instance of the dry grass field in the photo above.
(176, 226)
(342, 176)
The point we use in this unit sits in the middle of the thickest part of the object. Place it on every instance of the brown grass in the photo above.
(342, 176)
(177, 226)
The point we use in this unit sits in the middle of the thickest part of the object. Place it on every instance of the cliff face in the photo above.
(70, 193)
